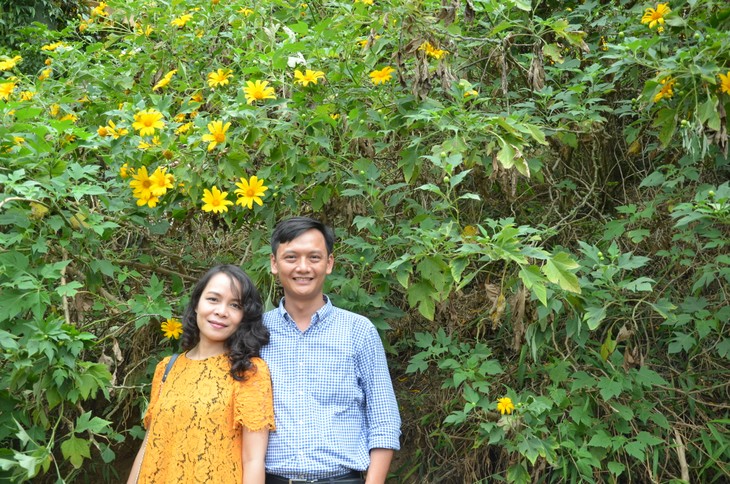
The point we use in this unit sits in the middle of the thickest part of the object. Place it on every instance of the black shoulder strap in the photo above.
(169, 366)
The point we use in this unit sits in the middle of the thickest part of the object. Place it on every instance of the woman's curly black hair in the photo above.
(251, 334)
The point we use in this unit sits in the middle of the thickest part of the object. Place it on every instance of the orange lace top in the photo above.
(195, 423)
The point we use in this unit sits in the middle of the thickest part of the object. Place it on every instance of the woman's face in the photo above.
(219, 310)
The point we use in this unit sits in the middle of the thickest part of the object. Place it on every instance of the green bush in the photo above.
(530, 200)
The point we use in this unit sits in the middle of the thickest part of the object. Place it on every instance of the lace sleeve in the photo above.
(155, 392)
(253, 400)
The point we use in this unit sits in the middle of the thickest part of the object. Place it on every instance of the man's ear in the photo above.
(274, 269)
(330, 263)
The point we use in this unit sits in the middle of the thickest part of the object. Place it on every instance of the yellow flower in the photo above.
(217, 134)
(666, 92)
(69, 117)
(18, 140)
(505, 405)
(146, 31)
(184, 128)
(364, 2)
(38, 210)
(148, 199)
(197, 97)
(258, 91)
(145, 145)
(83, 26)
(8, 64)
(181, 21)
(219, 78)
(161, 181)
(725, 82)
(250, 191)
(125, 171)
(432, 51)
(307, 77)
(6, 89)
(45, 74)
(147, 121)
(471, 92)
(382, 76)
(116, 132)
(335, 116)
(100, 10)
(215, 201)
(245, 11)
(141, 184)
(165, 80)
(48, 61)
(26, 95)
(172, 328)
(469, 231)
(53, 46)
(54, 109)
(654, 16)
(364, 42)
(102, 131)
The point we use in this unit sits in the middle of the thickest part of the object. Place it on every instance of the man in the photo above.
(334, 404)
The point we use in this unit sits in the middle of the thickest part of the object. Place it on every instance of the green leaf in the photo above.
(421, 294)
(593, 316)
(609, 388)
(616, 468)
(532, 448)
(681, 342)
(96, 425)
(601, 439)
(636, 450)
(558, 269)
(650, 378)
(517, 473)
(75, 450)
(491, 367)
(525, 5)
(70, 289)
(648, 439)
(506, 155)
(608, 347)
(667, 124)
(533, 280)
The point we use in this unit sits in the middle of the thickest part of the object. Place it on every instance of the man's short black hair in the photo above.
(291, 228)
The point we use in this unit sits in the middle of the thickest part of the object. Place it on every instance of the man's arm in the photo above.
(379, 465)
(381, 411)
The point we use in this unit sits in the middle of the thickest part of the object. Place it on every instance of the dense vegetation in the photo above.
(531, 201)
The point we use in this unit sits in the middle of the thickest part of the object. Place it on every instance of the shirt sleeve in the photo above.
(381, 408)
(155, 392)
(253, 399)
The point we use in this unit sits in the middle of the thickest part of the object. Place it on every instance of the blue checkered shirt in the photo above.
(333, 397)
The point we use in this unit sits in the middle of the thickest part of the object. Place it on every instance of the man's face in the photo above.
(302, 265)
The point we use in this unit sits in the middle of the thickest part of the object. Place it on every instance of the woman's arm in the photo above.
(136, 467)
(253, 455)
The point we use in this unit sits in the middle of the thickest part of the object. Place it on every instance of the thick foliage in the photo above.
(530, 196)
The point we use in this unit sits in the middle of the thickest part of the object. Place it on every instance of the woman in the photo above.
(209, 421)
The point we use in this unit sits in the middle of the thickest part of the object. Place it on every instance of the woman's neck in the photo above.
(203, 351)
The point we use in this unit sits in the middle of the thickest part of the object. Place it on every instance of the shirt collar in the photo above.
(318, 316)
